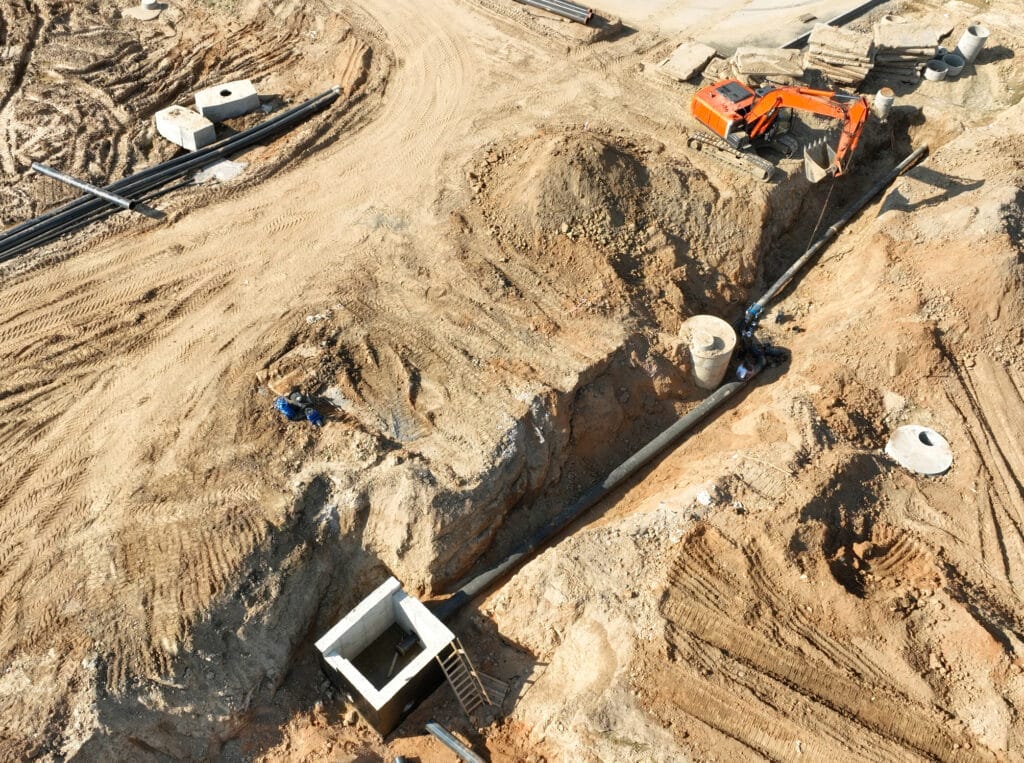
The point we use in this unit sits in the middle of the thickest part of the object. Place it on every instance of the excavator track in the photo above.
(760, 168)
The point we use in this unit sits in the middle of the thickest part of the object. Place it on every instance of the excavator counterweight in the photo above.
(745, 118)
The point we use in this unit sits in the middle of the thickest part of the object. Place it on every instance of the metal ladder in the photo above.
(463, 677)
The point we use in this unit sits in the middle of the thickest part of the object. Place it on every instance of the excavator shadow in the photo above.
(948, 187)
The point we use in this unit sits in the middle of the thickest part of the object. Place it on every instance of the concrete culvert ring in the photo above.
(920, 449)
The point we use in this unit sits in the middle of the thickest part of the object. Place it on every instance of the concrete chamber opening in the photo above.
(383, 654)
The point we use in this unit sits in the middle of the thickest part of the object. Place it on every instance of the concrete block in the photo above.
(687, 60)
(762, 62)
(227, 100)
(340, 649)
(185, 128)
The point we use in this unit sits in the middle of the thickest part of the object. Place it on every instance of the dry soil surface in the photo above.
(479, 262)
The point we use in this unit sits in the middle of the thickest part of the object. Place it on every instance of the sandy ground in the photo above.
(481, 258)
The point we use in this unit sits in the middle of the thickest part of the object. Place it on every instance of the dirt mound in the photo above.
(589, 312)
(656, 223)
(579, 179)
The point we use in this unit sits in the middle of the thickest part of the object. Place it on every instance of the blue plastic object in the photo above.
(313, 417)
(288, 410)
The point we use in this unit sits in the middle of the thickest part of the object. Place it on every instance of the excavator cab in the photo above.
(723, 107)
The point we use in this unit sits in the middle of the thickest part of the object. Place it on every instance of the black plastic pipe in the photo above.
(171, 164)
(448, 607)
(169, 170)
(72, 215)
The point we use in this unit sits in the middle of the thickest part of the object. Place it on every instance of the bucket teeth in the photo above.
(818, 160)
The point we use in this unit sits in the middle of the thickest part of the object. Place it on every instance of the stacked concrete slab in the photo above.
(905, 47)
(686, 61)
(767, 63)
(843, 56)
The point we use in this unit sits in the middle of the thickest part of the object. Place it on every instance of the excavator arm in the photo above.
(852, 110)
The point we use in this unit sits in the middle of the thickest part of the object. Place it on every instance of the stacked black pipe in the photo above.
(562, 8)
(150, 182)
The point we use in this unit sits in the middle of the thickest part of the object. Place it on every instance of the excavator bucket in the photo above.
(819, 158)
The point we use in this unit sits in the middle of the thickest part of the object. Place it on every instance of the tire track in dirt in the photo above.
(94, 79)
(992, 409)
(701, 583)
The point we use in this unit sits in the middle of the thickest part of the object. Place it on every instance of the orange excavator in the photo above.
(743, 119)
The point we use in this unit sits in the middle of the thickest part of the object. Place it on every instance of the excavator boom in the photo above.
(743, 117)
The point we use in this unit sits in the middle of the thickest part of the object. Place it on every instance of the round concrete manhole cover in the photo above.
(920, 449)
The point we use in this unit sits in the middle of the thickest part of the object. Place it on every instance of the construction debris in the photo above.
(297, 407)
(228, 100)
(920, 450)
(756, 63)
(184, 127)
(147, 10)
(687, 60)
(904, 48)
(841, 55)
(222, 172)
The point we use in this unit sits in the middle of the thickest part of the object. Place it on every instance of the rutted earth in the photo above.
(483, 273)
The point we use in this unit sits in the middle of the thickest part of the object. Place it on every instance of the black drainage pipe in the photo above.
(444, 736)
(448, 607)
(75, 214)
(757, 308)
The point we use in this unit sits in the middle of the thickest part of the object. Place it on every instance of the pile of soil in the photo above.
(591, 236)
(667, 230)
